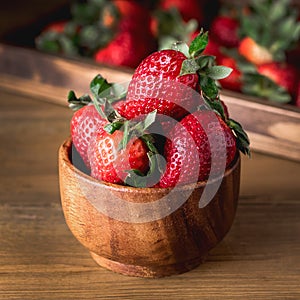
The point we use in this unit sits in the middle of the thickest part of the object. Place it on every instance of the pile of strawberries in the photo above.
(260, 42)
(123, 32)
(168, 128)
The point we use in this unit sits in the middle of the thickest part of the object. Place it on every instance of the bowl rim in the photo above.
(64, 156)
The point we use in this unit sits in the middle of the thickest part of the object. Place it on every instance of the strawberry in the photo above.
(268, 30)
(234, 80)
(89, 115)
(189, 143)
(110, 164)
(131, 42)
(253, 52)
(224, 30)
(84, 123)
(155, 70)
(189, 9)
(128, 10)
(58, 26)
(124, 50)
(284, 75)
(169, 27)
(213, 48)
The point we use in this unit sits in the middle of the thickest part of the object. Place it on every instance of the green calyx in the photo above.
(259, 85)
(138, 129)
(156, 166)
(172, 28)
(203, 65)
(104, 94)
(84, 32)
(209, 73)
(272, 24)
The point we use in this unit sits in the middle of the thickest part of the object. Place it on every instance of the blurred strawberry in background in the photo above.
(113, 32)
(258, 40)
(131, 42)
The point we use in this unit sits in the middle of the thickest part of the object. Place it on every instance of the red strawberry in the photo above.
(234, 80)
(58, 26)
(132, 42)
(224, 30)
(213, 48)
(189, 143)
(282, 74)
(128, 10)
(110, 164)
(83, 124)
(253, 52)
(124, 50)
(160, 69)
(189, 9)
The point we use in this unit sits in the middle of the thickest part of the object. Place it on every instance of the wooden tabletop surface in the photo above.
(40, 258)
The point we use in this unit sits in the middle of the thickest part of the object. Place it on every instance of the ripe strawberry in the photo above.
(110, 164)
(253, 52)
(213, 48)
(282, 74)
(189, 9)
(124, 50)
(234, 80)
(58, 26)
(180, 152)
(161, 69)
(269, 29)
(84, 123)
(128, 10)
(132, 42)
(224, 30)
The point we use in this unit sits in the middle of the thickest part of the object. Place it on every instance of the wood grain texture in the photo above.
(146, 232)
(40, 258)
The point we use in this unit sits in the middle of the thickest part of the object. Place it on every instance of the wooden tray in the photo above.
(272, 128)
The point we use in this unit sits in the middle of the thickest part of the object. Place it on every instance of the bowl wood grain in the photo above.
(173, 244)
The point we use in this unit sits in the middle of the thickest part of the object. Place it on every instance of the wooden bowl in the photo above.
(131, 231)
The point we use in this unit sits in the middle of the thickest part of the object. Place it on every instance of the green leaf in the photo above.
(118, 92)
(205, 61)
(198, 44)
(149, 140)
(277, 10)
(77, 103)
(261, 86)
(243, 142)
(126, 138)
(189, 66)
(150, 119)
(209, 87)
(218, 72)
(135, 178)
(98, 85)
(112, 127)
(182, 47)
(217, 107)
(156, 168)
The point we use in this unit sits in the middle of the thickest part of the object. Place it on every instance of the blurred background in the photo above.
(259, 40)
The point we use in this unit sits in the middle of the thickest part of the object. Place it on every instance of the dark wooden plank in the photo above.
(40, 258)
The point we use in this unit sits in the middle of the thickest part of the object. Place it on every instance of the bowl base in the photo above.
(143, 271)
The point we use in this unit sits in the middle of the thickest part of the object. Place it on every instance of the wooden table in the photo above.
(40, 258)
